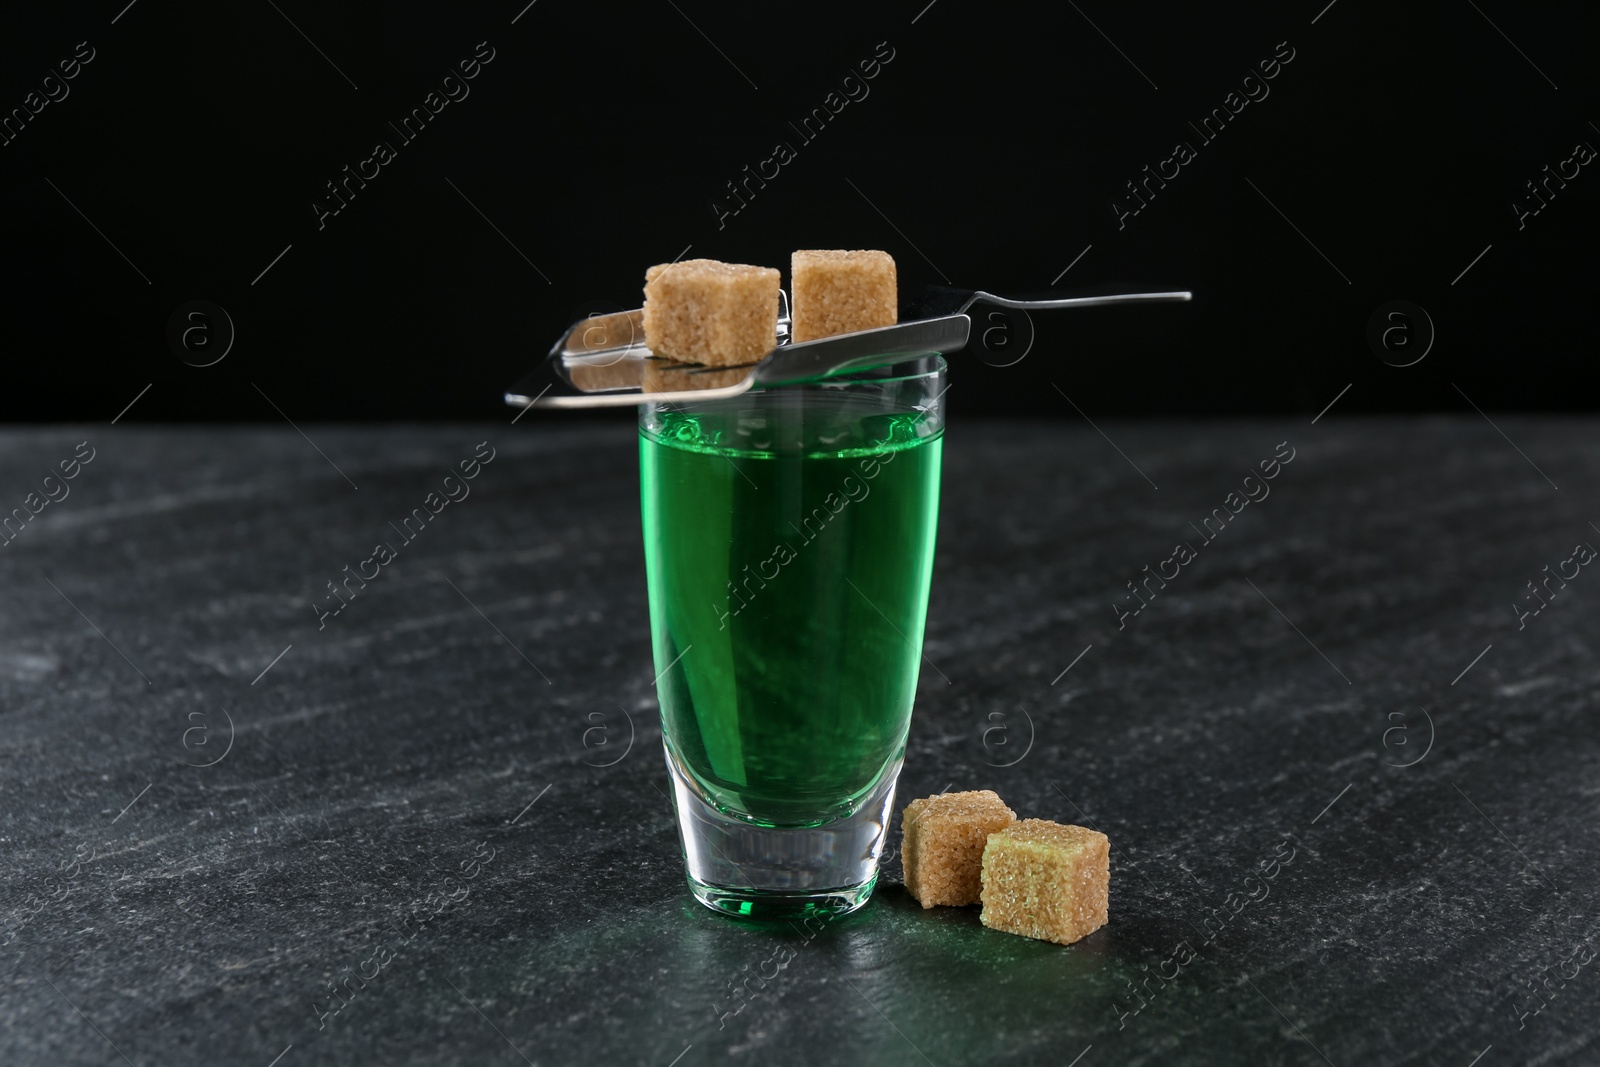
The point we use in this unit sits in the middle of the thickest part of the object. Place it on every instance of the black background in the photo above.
(988, 153)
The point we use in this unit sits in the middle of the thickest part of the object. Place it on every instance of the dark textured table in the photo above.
(1353, 795)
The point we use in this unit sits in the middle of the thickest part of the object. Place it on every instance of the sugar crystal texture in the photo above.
(711, 313)
(837, 291)
(1047, 881)
(944, 837)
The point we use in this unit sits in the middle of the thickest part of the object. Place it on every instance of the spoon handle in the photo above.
(1177, 297)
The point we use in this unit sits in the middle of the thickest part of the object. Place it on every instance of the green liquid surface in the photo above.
(787, 693)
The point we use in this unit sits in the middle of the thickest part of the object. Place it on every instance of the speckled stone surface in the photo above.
(1330, 845)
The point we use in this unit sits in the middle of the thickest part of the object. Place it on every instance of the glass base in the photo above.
(782, 907)
(781, 873)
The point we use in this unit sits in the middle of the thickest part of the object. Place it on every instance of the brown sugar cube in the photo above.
(944, 837)
(1045, 880)
(841, 292)
(715, 314)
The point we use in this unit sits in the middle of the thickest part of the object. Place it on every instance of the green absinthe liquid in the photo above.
(788, 591)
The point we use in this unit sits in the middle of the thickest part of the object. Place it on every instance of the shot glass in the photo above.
(789, 537)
